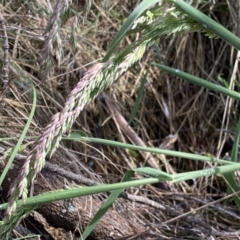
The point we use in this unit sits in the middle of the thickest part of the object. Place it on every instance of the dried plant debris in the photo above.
(54, 44)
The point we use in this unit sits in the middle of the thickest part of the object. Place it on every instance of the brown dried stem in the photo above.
(3, 31)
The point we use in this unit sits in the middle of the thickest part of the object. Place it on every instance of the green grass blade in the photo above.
(229, 177)
(208, 23)
(234, 153)
(199, 81)
(139, 97)
(104, 208)
(144, 5)
(163, 176)
(79, 192)
(232, 186)
(148, 149)
(206, 172)
(24, 132)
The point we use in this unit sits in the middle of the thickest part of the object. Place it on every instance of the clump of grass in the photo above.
(184, 121)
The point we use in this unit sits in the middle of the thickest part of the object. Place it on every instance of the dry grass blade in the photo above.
(5, 70)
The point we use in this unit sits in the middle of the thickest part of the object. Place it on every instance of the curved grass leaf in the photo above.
(79, 192)
(104, 208)
(221, 170)
(162, 176)
(22, 137)
(229, 177)
(149, 149)
(208, 23)
(144, 5)
(199, 81)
